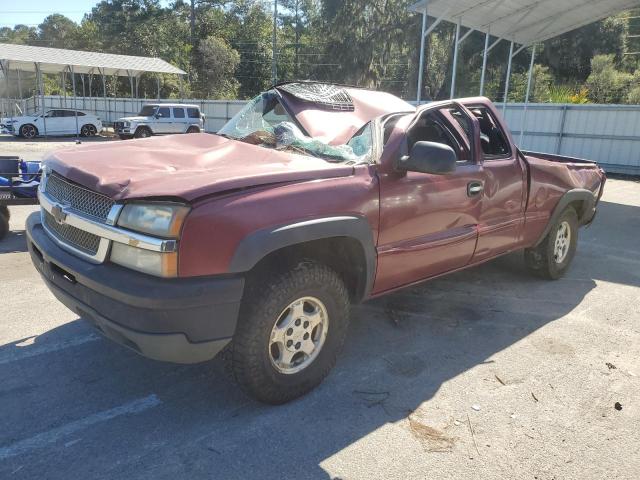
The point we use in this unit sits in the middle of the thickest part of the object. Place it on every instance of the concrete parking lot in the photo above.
(485, 374)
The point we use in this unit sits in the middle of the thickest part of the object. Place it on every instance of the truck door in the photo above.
(428, 222)
(504, 187)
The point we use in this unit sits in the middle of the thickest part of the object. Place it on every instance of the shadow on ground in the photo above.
(400, 350)
(15, 241)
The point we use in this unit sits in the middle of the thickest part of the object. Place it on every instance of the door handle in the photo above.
(474, 188)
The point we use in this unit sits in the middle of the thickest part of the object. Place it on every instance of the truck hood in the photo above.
(184, 166)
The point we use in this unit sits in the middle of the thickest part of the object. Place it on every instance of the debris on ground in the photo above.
(617, 406)
(534, 397)
(500, 380)
(476, 407)
(610, 366)
(473, 435)
(432, 440)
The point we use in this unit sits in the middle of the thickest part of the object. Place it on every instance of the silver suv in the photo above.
(161, 118)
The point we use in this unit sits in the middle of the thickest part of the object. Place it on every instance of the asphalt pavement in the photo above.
(484, 374)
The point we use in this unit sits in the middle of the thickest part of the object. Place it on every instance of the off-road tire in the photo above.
(143, 132)
(4, 221)
(248, 355)
(193, 129)
(540, 260)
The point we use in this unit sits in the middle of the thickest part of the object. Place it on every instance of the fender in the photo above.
(259, 244)
(588, 200)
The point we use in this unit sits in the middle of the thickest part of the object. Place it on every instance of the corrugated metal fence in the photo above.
(609, 134)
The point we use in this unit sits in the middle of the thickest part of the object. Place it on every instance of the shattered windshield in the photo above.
(265, 122)
(147, 111)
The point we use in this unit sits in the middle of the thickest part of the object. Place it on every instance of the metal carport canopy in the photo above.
(56, 60)
(523, 21)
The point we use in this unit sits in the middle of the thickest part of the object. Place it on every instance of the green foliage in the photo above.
(227, 51)
(633, 96)
(567, 94)
(606, 83)
(541, 85)
(217, 63)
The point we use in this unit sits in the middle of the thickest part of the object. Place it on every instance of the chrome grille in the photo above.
(84, 241)
(78, 198)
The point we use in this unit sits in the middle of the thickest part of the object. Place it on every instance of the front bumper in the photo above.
(182, 320)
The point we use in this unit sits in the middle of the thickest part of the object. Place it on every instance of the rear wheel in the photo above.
(142, 132)
(290, 331)
(28, 131)
(4, 221)
(552, 257)
(193, 129)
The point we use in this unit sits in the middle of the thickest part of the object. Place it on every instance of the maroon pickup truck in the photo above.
(255, 241)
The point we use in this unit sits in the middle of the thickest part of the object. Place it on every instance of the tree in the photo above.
(58, 31)
(217, 64)
(569, 56)
(606, 84)
(362, 39)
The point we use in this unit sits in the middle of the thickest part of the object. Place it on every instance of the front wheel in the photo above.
(142, 132)
(552, 257)
(290, 331)
(28, 131)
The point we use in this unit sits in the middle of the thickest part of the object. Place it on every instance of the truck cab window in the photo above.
(492, 137)
(431, 127)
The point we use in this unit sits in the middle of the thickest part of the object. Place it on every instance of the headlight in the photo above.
(146, 261)
(159, 219)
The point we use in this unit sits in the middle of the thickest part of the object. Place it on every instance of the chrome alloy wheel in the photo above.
(298, 335)
(28, 131)
(563, 242)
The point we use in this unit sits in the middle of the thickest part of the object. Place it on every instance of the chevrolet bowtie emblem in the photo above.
(58, 214)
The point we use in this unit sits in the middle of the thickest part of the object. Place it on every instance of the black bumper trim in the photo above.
(200, 309)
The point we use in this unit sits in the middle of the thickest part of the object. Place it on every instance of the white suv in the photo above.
(161, 118)
(59, 121)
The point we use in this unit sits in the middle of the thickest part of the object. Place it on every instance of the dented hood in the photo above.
(184, 166)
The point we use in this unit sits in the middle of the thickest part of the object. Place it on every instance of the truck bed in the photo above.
(560, 158)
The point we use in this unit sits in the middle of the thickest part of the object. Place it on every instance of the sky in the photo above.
(32, 13)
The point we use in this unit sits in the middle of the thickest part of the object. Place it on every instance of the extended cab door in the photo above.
(428, 222)
(504, 186)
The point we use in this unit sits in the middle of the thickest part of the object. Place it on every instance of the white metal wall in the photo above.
(609, 134)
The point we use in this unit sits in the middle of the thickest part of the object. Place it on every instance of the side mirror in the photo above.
(158, 115)
(429, 157)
